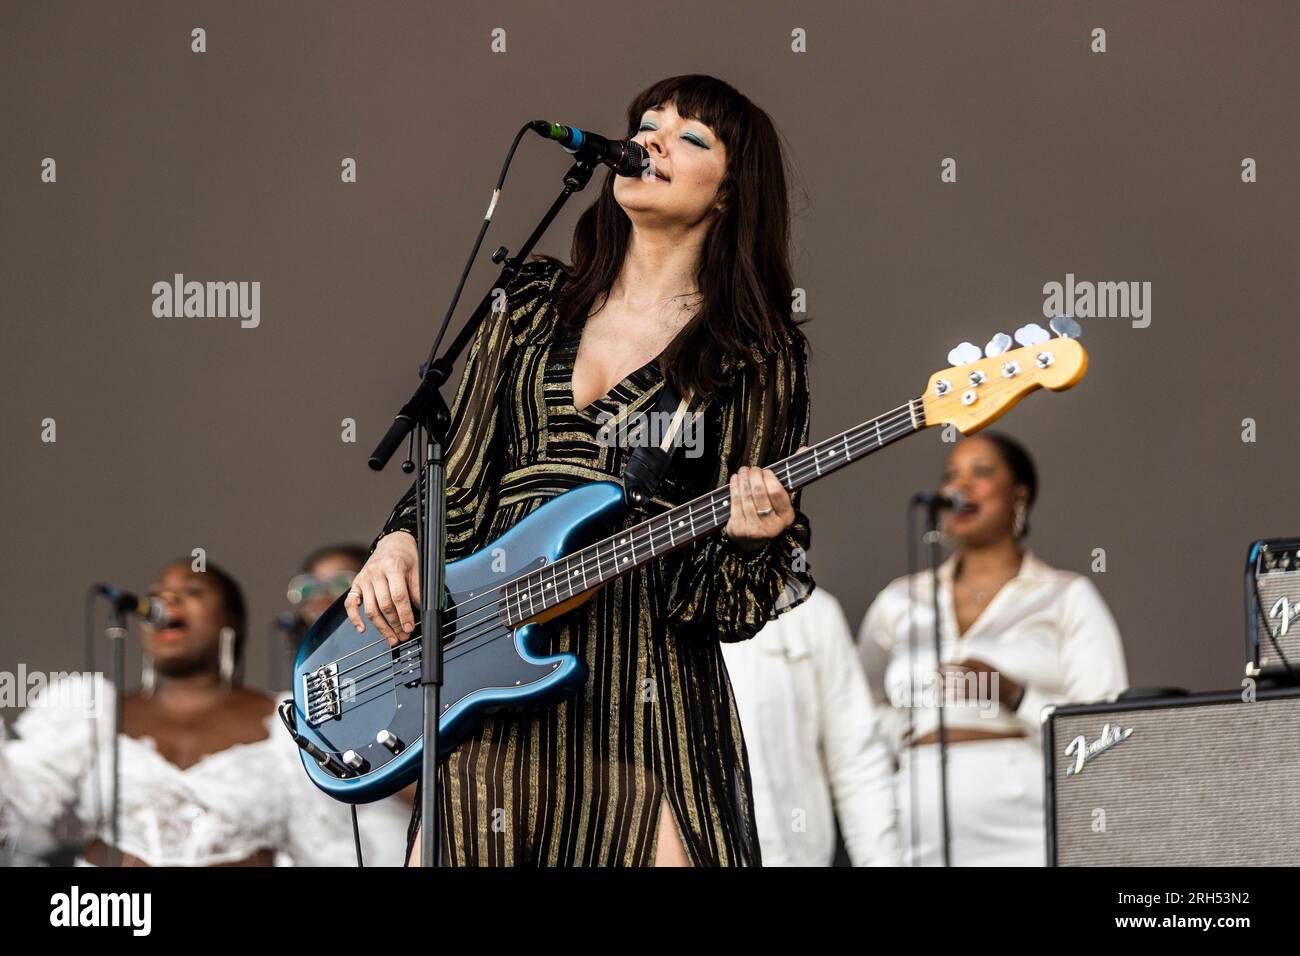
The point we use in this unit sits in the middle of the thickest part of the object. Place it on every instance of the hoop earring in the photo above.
(148, 676)
(227, 656)
(1020, 519)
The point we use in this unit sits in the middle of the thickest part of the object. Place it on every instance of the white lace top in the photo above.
(226, 807)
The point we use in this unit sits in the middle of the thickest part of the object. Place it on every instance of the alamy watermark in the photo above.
(970, 688)
(129, 910)
(208, 300)
(1099, 300)
(651, 429)
(62, 689)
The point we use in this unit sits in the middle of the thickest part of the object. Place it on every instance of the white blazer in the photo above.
(810, 731)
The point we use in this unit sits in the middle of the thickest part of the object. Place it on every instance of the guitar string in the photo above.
(902, 412)
(386, 685)
(406, 659)
(395, 667)
(493, 595)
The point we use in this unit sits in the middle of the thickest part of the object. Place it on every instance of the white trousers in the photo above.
(995, 804)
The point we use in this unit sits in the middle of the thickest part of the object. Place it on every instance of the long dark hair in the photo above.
(744, 273)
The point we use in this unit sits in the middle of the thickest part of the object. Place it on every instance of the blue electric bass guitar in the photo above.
(357, 702)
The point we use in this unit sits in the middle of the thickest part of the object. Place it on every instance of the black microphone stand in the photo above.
(115, 630)
(428, 415)
(932, 539)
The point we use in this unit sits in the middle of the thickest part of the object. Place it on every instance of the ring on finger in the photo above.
(763, 512)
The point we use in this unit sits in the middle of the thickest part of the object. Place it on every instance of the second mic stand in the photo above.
(115, 631)
(932, 539)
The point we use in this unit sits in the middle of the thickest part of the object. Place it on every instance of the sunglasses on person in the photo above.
(304, 587)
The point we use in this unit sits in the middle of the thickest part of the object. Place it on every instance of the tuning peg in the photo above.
(1066, 327)
(964, 354)
(1032, 334)
(998, 344)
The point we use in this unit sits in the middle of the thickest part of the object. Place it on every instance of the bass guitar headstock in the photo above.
(981, 385)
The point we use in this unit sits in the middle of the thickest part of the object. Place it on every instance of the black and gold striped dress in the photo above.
(580, 783)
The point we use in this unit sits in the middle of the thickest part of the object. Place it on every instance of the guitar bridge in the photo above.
(321, 691)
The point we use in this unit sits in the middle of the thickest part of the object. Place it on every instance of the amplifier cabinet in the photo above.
(1196, 780)
(1273, 607)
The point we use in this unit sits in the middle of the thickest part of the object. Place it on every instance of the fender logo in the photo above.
(1082, 751)
(1285, 612)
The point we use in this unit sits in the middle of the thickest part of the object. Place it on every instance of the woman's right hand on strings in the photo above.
(386, 587)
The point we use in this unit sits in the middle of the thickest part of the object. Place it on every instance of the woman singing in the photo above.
(1017, 635)
(684, 273)
(208, 776)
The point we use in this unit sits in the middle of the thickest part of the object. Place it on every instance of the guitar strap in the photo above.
(648, 463)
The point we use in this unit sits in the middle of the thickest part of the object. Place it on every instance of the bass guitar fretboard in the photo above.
(537, 592)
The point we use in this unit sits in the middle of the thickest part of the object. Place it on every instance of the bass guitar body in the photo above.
(358, 702)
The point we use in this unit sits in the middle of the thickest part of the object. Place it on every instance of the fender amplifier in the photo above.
(1194, 780)
(1273, 608)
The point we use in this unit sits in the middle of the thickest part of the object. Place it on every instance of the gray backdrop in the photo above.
(225, 165)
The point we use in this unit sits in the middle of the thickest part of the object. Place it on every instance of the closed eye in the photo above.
(691, 138)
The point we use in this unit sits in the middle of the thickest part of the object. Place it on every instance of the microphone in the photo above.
(150, 609)
(625, 157)
(939, 501)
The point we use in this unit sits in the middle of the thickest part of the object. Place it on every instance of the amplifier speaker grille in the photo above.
(1206, 780)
